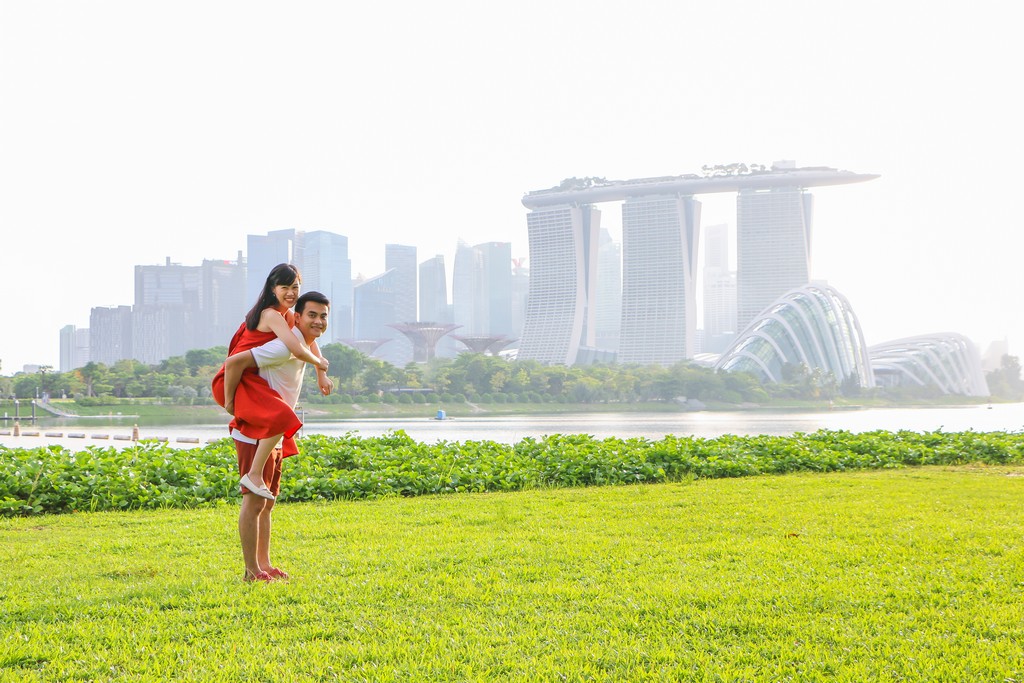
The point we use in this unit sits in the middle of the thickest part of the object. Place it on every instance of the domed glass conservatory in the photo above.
(948, 361)
(812, 326)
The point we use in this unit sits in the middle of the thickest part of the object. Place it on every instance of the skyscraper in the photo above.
(716, 247)
(496, 259)
(773, 247)
(467, 283)
(67, 348)
(719, 293)
(374, 307)
(159, 332)
(167, 315)
(434, 306)
(74, 347)
(563, 282)
(400, 262)
(322, 258)
(659, 266)
(482, 289)
(263, 253)
(167, 284)
(520, 295)
(110, 333)
(81, 355)
(221, 301)
(402, 259)
(609, 293)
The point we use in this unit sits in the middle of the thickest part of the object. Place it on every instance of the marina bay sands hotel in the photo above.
(660, 231)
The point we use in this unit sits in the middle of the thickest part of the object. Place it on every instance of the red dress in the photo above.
(260, 412)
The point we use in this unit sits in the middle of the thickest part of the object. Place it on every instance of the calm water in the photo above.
(509, 429)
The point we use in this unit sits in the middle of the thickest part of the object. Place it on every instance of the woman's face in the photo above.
(287, 295)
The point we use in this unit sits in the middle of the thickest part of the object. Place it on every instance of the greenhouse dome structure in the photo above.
(813, 326)
(948, 361)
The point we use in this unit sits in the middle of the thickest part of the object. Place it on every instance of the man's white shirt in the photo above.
(280, 368)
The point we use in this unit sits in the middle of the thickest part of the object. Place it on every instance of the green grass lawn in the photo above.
(899, 575)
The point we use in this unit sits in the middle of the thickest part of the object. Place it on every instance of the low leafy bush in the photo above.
(150, 475)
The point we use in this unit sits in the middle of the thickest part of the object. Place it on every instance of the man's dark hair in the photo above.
(315, 297)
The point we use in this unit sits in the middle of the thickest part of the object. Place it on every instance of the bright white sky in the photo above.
(134, 131)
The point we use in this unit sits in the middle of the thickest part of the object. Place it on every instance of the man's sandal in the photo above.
(258, 576)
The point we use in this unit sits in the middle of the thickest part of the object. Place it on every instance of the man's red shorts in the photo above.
(271, 470)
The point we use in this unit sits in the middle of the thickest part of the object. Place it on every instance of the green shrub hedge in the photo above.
(152, 475)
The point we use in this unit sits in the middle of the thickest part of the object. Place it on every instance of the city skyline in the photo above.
(120, 148)
(178, 307)
(664, 231)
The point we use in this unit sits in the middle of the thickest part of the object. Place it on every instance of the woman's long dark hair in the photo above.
(282, 274)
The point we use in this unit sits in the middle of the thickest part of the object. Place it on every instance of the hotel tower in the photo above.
(660, 235)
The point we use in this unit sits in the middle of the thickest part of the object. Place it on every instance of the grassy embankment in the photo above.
(913, 574)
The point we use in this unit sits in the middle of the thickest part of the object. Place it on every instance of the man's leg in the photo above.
(272, 475)
(263, 540)
(249, 515)
(249, 519)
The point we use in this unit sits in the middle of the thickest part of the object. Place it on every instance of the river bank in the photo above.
(116, 430)
(172, 413)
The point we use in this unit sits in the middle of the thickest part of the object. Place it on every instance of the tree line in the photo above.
(469, 376)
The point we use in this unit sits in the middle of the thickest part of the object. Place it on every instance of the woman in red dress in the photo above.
(259, 411)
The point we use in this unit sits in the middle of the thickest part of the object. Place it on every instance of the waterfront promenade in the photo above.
(118, 431)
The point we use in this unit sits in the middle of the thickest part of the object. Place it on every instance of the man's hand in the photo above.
(323, 364)
(230, 407)
(325, 383)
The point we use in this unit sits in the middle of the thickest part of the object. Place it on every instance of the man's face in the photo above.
(312, 322)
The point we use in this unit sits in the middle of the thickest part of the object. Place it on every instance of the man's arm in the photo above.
(234, 366)
(325, 383)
